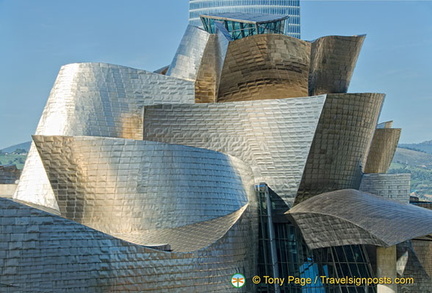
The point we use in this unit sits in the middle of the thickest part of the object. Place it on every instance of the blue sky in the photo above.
(38, 37)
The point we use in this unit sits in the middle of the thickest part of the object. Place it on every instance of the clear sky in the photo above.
(38, 37)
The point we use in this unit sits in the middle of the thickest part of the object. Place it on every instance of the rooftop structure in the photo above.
(240, 25)
(290, 8)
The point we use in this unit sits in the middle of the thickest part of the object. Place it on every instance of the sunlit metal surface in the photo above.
(423, 249)
(189, 55)
(414, 261)
(48, 253)
(382, 150)
(273, 136)
(333, 59)
(341, 143)
(96, 99)
(349, 216)
(209, 74)
(392, 186)
(268, 66)
(123, 186)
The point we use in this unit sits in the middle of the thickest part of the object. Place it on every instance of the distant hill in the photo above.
(24, 145)
(419, 164)
(425, 146)
(413, 158)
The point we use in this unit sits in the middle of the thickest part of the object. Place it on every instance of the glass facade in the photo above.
(239, 28)
(282, 7)
(284, 252)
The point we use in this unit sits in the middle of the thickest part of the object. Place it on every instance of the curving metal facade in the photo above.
(264, 133)
(48, 253)
(128, 186)
(189, 55)
(382, 150)
(267, 66)
(96, 99)
(349, 216)
(341, 143)
(333, 59)
(264, 66)
(283, 7)
(392, 186)
(140, 181)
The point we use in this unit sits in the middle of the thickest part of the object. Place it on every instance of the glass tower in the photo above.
(284, 7)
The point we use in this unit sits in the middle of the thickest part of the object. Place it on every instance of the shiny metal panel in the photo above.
(189, 55)
(96, 99)
(42, 252)
(209, 74)
(333, 59)
(414, 261)
(124, 186)
(341, 143)
(272, 136)
(382, 150)
(391, 186)
(349, 216)
(268, 66)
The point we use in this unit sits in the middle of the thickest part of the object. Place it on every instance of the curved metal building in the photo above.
(96, 99)
(227, 167)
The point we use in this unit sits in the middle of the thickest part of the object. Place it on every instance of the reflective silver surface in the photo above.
(189, 55)
(392, 186)
(349, 216)
(268, 66)
(382, 150)
(273, 136)
(128, 186)
(42, 252)
(341, 143)
(99, 209)
(96, 99)
(333, 59)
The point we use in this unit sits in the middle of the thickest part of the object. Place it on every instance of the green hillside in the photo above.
(419, 164)
(13, 159)
(425, 146)
(15, 155)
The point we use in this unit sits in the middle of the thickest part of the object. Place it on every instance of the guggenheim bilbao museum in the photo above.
(243, 166)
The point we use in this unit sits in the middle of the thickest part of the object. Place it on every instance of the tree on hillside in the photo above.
(20, 151)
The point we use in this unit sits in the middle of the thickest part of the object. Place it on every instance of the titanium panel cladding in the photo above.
(392, 186)
(120, 186)
(333, 61)
(96, 99)
(188, 57)
(341, 143)
(346, 217)
(283, 7)
(48, 253)
(209, 74)
(272, 136)
(383, 148)
(267, 66)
